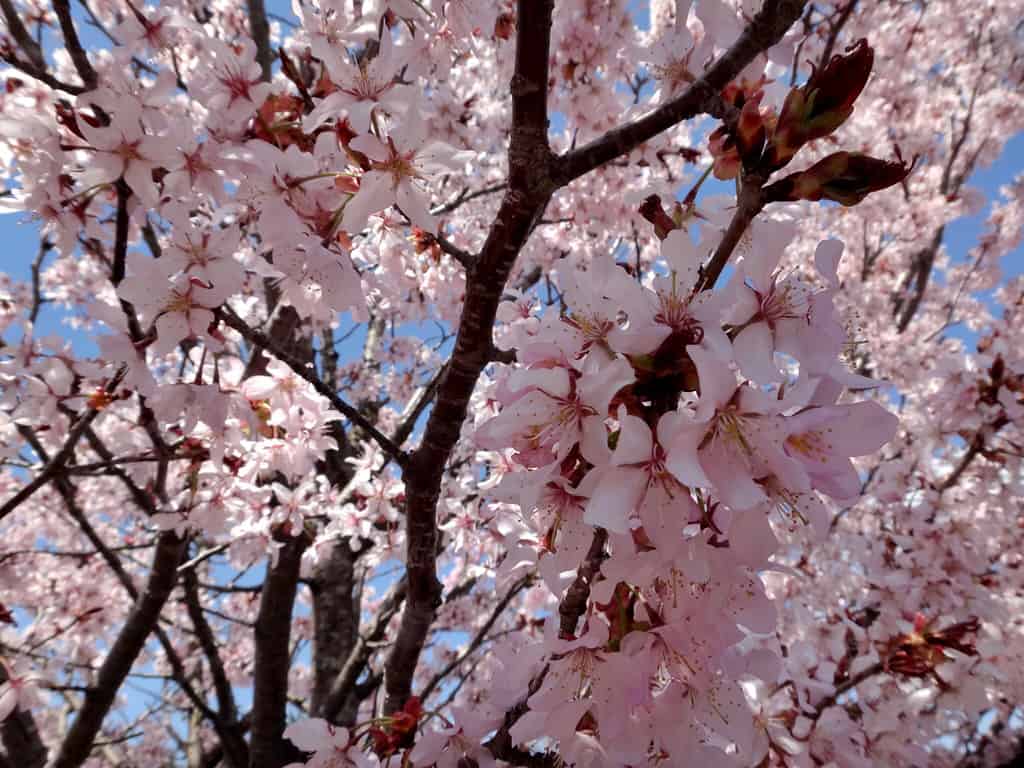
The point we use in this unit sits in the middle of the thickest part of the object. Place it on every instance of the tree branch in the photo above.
(78, 55)
(77, 744)
(875, 669)
(479, 637)
(574, 604)
(229, 731)
(22, 37)
(766, 29)
(530, 188)
(361, 651)
(335, 620)
(977, 445)
(268, 748)
(259, 27)
(56, 464)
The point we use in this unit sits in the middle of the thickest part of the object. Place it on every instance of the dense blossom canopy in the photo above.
(467, 383)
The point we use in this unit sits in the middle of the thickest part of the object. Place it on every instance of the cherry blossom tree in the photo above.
(464, 383)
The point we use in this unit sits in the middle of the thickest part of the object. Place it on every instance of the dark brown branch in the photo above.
(465, 196)
(77, 743)
(22, 37)
(268, 748)
(835, 27)
(36, 64)
(412, 414)
(530, 188)
(501, 746)
(465, 258)
(37, 294)
(335, 620)
(766, 29)
(67, 492)
(533, 177)
(229, 730)
(974, 449)
(920, 272)
(852, 682)
(74, 46)
(208, 642)
(924, 260)
(362, 650)
(574, 604)
(259, 27)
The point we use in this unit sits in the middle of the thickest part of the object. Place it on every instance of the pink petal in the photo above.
(826, 259)
(682, 460)
(614, 499)
(635, 443)
(754, 350)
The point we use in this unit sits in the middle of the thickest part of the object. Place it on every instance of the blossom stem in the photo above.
(750, 203)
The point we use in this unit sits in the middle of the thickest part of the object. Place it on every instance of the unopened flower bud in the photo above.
(723, 149)
(750, 131)
(823, 104)
(652, 210)
(844, 177)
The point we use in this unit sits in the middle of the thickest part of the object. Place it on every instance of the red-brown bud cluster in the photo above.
(843, 177)
(400, 729)
(918, 653)
(823, 104)
(652, 210)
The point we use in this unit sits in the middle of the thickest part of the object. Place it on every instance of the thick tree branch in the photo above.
(229, 730)
(78, 742)
(74, 46)
(362, 650)
(335, 619)
(259, 27)
(22, 37)
(530, 188)
(268, 748)
(574, 604)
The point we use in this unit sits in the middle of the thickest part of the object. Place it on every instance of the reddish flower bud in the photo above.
(504, 26)
(844, 177)
(918, 653)
(823, 104)
(726, 156)
(750, 131)
(100, 399)
(652, 210)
